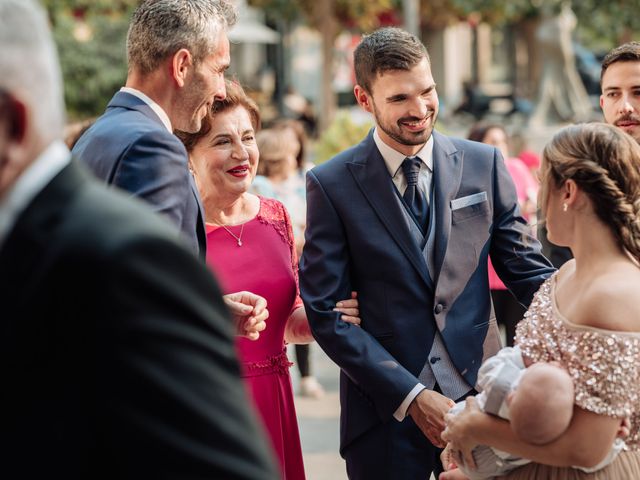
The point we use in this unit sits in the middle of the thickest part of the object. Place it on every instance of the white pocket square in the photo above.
(468, 200)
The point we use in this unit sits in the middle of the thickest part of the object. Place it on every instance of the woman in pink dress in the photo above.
(250, 247)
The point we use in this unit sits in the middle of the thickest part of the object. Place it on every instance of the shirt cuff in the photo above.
(401, 412)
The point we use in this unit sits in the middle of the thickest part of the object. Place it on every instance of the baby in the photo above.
(537, 401)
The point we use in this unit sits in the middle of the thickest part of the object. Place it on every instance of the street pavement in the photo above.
(318, 420)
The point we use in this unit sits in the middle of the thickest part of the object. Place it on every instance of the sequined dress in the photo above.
(265, 264)
(605, 367)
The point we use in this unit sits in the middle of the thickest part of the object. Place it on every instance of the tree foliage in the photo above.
(93, 64)
(364, 15)
(83, 8)
(610, 22)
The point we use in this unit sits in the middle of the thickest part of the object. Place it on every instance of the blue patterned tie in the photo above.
(413, 196)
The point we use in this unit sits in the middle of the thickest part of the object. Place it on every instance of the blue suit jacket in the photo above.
(357, 239)
(129, 147)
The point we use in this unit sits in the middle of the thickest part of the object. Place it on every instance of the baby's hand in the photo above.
(625, 428)
(446, 457)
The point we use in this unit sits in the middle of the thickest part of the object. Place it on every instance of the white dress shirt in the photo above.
(393, 160)
(37, 175)
(154, 106)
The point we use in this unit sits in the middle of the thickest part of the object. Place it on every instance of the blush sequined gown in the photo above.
(605, 367)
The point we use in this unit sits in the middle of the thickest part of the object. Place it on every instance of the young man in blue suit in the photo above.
(178, 52)
(407, 218)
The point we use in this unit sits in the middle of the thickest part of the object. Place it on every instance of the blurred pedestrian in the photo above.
(283, 167)
(299, 109)
(561, 89)
(507, 309)
(117, 353)
(75, 130)
(280, 178)
(619, 80)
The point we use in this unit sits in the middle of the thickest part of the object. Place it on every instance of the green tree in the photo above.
(81, 8)
(611, 22)
(93, 69)
(91, 36)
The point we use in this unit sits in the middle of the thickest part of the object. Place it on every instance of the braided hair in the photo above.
(605, 163)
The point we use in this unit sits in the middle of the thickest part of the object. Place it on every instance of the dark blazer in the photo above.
(116, 353)
(357, 239)
(129, 147)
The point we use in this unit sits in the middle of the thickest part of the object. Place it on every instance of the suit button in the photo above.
(433, 360)
(438, 309)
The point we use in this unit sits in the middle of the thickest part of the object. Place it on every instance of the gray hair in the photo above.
(159, 28)
(29, 63)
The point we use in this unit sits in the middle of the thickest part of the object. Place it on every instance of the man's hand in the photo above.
(249, 312)
(459, 433)
(427, 410)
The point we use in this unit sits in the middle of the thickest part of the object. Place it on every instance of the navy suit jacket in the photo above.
(357, 239)
(129, 147)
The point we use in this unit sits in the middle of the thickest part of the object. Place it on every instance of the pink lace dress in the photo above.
(265, 264)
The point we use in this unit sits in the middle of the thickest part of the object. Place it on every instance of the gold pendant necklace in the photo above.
(237, 237)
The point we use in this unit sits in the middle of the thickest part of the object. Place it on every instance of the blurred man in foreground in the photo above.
(116, 357)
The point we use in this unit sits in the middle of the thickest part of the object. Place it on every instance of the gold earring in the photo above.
(565, 207)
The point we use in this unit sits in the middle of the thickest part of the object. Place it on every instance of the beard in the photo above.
(398, 134)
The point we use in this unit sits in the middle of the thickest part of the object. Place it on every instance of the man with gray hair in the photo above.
(117, 359)
(178, 52)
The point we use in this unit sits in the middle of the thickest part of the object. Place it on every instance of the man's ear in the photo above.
(363, 98)
(13, 118)
(16, 139)
(181, 63)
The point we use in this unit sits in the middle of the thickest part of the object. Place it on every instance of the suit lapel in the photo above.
(201, 232)
(371, 174)
(131, 102)
(447, 174)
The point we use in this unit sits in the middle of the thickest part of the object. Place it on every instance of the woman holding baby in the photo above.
(586, 317)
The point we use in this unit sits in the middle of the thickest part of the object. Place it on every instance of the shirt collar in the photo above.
(393, 159)
(154, 106)
(48, 164)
